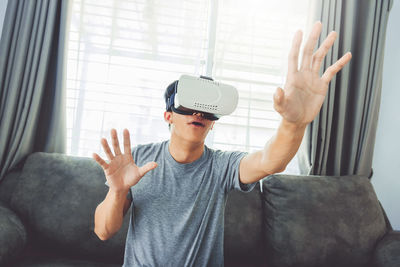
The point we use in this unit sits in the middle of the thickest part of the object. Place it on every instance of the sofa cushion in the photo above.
(62, 263)
(320, 221)
(12, 235)
(243, 231)
(56, 197)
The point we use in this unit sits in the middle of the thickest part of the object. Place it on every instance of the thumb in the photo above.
(146, 168)
(279, 99)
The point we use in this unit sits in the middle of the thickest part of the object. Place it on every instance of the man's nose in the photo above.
(198, 114)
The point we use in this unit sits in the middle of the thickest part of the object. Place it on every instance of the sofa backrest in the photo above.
(56, 197)
(243, 233)
(314, 221)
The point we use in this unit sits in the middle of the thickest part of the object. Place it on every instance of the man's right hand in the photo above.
(121, 171)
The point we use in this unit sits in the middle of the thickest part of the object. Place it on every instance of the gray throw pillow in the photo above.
(320, 221)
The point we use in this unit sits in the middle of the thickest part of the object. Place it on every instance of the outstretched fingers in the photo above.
(100, 161)
(319, 55)
(293, 63)
(146, 168)
(106, 149)
(310, 45)
(332, 70)
(127, 142)
(115, 142)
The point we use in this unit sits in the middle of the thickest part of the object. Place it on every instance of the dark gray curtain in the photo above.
(32, 109)
(340, 141)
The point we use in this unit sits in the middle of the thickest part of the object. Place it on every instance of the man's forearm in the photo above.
(109, 215)
(282, 147)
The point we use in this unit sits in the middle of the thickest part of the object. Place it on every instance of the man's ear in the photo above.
(168, 116)
(212, 125)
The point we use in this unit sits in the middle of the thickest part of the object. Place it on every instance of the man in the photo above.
(178, 202)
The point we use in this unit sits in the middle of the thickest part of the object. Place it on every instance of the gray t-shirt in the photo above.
(178, 209)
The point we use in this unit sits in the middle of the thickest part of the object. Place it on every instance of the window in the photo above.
(123, 54)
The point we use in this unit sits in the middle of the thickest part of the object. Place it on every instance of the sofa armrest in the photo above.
(387, 252)
(13, 235)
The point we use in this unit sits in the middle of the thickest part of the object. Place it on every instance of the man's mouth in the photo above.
(197, 123)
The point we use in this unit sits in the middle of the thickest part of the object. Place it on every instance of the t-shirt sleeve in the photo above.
(229, 163)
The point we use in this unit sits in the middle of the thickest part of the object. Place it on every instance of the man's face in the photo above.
(193, 128)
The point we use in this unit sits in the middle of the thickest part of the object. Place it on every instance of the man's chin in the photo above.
(195, 138)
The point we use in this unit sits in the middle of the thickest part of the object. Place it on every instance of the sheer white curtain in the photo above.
(122, 55)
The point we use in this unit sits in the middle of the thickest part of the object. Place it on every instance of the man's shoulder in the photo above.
(150, 145)
(148, 149)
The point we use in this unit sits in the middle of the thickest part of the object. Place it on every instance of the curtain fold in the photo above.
(340, 141)
(32, 112)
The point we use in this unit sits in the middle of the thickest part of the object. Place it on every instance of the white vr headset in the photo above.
(202, 95)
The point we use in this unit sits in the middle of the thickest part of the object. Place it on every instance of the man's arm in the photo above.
(275, 156)
(110, 214)
(298, 103)
(121, 173)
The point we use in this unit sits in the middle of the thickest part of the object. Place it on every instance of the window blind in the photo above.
(252, 46)
(123, 54)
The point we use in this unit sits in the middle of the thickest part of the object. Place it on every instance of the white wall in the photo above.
(386, 162)
(3, 5)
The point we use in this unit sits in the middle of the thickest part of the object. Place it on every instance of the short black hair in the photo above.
(167, 94)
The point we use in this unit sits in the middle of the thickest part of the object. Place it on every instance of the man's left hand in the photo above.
(304, 91)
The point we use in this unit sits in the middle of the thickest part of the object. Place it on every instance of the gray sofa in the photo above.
(46, 219)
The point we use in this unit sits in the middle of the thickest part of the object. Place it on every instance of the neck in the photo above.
(184, 151)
